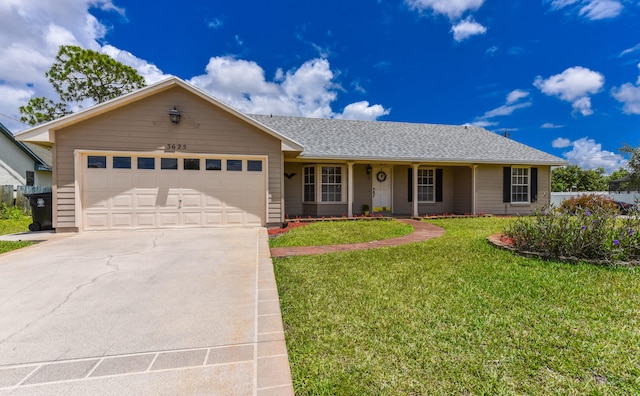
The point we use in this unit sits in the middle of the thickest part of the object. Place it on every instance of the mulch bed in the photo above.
(504, 242)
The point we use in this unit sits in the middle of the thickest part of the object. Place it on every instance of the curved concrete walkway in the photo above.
(421, 232)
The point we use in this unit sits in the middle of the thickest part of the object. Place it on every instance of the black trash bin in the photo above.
(41, 211)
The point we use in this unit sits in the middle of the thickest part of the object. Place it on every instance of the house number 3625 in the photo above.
(172, 146)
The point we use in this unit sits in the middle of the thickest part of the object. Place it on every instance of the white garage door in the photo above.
(123, 191)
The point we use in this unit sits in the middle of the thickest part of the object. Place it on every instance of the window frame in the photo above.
(318, 184)
(432, 185)
(309, 180)
(30, 178)
(516, 196)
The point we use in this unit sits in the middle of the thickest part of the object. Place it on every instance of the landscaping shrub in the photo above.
(590, 202)
(10, 212)
(583, 231)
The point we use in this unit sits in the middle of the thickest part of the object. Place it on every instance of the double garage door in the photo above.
(150, 190)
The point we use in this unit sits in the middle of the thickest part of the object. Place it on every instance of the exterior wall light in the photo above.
(174, 115)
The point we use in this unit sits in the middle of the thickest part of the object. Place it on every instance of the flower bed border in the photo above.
(497, 241)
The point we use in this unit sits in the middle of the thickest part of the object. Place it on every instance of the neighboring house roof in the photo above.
(400, 141)
(40, 155)
(45, 133)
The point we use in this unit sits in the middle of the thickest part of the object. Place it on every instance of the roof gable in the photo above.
(42, 161)
(45, 133)
(401, 141)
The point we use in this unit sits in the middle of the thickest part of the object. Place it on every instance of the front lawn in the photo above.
(455, 315)
(339, 232)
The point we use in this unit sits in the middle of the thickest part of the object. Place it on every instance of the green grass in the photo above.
(455, 315)
(339, 232)
(12, 226)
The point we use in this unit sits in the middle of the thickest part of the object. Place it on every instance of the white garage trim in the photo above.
(125, 190)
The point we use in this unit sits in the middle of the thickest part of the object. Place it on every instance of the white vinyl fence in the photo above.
(628, 197)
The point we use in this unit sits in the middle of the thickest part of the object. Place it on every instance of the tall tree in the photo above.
(79, 75)
(574, 178)
(633, 164)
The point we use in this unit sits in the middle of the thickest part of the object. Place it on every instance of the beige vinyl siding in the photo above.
(453, 192)
(362, 188)
(144, 126)
(462, 191)
(293, 189)
(489, 191)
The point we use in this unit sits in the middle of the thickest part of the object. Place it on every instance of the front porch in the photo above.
(349, 189)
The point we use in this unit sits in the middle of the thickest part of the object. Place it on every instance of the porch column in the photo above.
(414, 199)
(350, 189)
(474, 198)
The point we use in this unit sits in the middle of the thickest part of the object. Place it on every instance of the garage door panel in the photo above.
(192, 200)
(145, 219)
(192, 218)
(171, 201)
(96, 221)
(213, 218)
(168, 219)
(211, 201)
(166, 198)
(120, 181)
(97, 181)
(96, 200)
(122, 201)
(145, 200)
(190, 180)
(145, 179)
(234, 218)
(122, 220)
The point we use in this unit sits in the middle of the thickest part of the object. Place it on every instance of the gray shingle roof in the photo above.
(368, 140)
(41, 156)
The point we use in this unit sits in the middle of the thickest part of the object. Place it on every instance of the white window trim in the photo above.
(434, 184)
(318, 184)
(528, 201)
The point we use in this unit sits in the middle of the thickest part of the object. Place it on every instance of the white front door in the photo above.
(381, 189)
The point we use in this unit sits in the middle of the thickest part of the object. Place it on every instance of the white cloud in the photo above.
(574, 85)
(491, 51)
(588, 154)
(549, 125)
(629, 95)
(512, 104)
(215, 23)
(363, 111)
(516, 95)
(561, 143)
(505, 110)
(149, 71)
(307, 91)
(601, 9)
(452, 8)
(630, 50)
(484, 123)
(591, 9)
(467, 28)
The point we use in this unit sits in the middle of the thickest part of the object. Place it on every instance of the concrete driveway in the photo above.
(175, 312)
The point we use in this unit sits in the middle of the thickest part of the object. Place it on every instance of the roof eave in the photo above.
(422, 159)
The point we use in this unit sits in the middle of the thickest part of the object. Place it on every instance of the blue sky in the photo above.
(562, 76)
